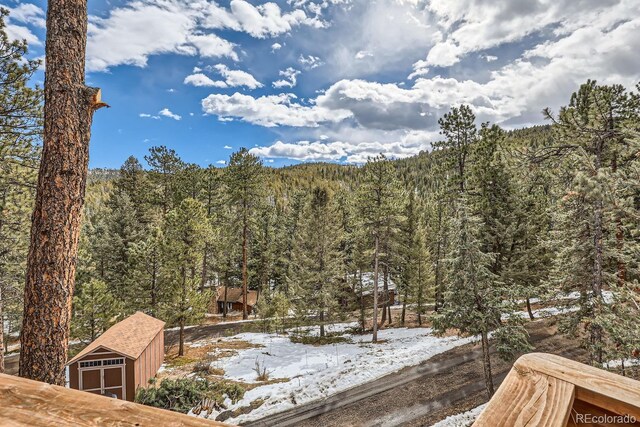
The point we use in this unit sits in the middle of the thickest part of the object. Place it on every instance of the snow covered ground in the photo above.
(464, 419)
(315, 372)
(618, 363)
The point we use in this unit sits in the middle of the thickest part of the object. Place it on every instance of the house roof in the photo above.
(129, 337)
(235, 295)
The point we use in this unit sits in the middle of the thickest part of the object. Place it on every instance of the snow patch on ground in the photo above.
(464, 419)
(618, 363)
(316, 372)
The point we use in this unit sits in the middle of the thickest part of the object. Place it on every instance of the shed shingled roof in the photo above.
(129, 337)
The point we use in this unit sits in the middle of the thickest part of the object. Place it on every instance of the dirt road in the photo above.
(420, 395)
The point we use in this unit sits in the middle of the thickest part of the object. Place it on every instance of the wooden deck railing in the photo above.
(551, 391)
(31, 403)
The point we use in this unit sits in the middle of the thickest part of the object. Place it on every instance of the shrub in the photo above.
(261, 370)
(317, 340)
(183, 394)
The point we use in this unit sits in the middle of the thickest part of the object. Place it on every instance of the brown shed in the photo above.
(120, 360)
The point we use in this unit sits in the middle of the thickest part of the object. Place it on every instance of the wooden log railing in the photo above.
(31, 403)
(551, 391)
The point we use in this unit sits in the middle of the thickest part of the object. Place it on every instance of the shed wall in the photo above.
(147, 365)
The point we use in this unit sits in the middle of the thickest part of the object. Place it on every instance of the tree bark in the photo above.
(51, 263)
(361, 301)
(385, 294)
(404, 303)
(203, 279)
(224, 308)
(375, 290)
(183, 308)
(322, 323)
(529, 309)
(154, 286)
(488, 376)
(1, 335)
(244, 267)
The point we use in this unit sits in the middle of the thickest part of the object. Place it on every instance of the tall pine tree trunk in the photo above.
(361, 301)
(375, 289)
(244, 268)
(183, 308)
(529, 309)
(404, 302)
(322, 323)
(1, 335)
(154, 286)
(51, 264)
(385, 292)
(203, 279)
(596, 329)
(224, 309)
(488, 376)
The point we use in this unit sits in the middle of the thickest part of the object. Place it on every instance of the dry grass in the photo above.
(199, 359)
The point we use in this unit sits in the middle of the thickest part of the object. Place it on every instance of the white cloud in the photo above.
(228, 147)
(18, 32)
(267, 20)
(290, 78)
(475, 25)
(232, 78)
(362, 54)
(149, 116)
(235, 78)
(276, 46)
(406, 144)
(310, 62)
(167, 113)
(25, 14)
(141, 28)
(200, 79)
(221, 162)
(212, 46)
(28, 13)
(270, 111)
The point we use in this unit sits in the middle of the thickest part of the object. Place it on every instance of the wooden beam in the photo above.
(31, 403)
(615, 393)
(529, 398)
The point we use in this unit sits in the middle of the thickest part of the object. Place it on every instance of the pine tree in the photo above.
(318, 262)
(147, 281)
(458, 127)
(415, 276)
(95, 310)
(244, 181)
(475, 299)
(377, 198)
(165, 166)
(185, 237)
(595, 132)
(20, 121)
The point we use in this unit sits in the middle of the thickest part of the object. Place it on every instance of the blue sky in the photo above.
(332, 80)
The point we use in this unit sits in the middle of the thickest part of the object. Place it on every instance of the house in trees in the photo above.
(234, 300)
(367, 290)
(120, 360)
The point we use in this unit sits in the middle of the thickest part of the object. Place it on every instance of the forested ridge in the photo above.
(475, 228)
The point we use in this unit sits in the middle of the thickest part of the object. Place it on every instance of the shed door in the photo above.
(91, 380)
(103, 377)
(113, 380)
